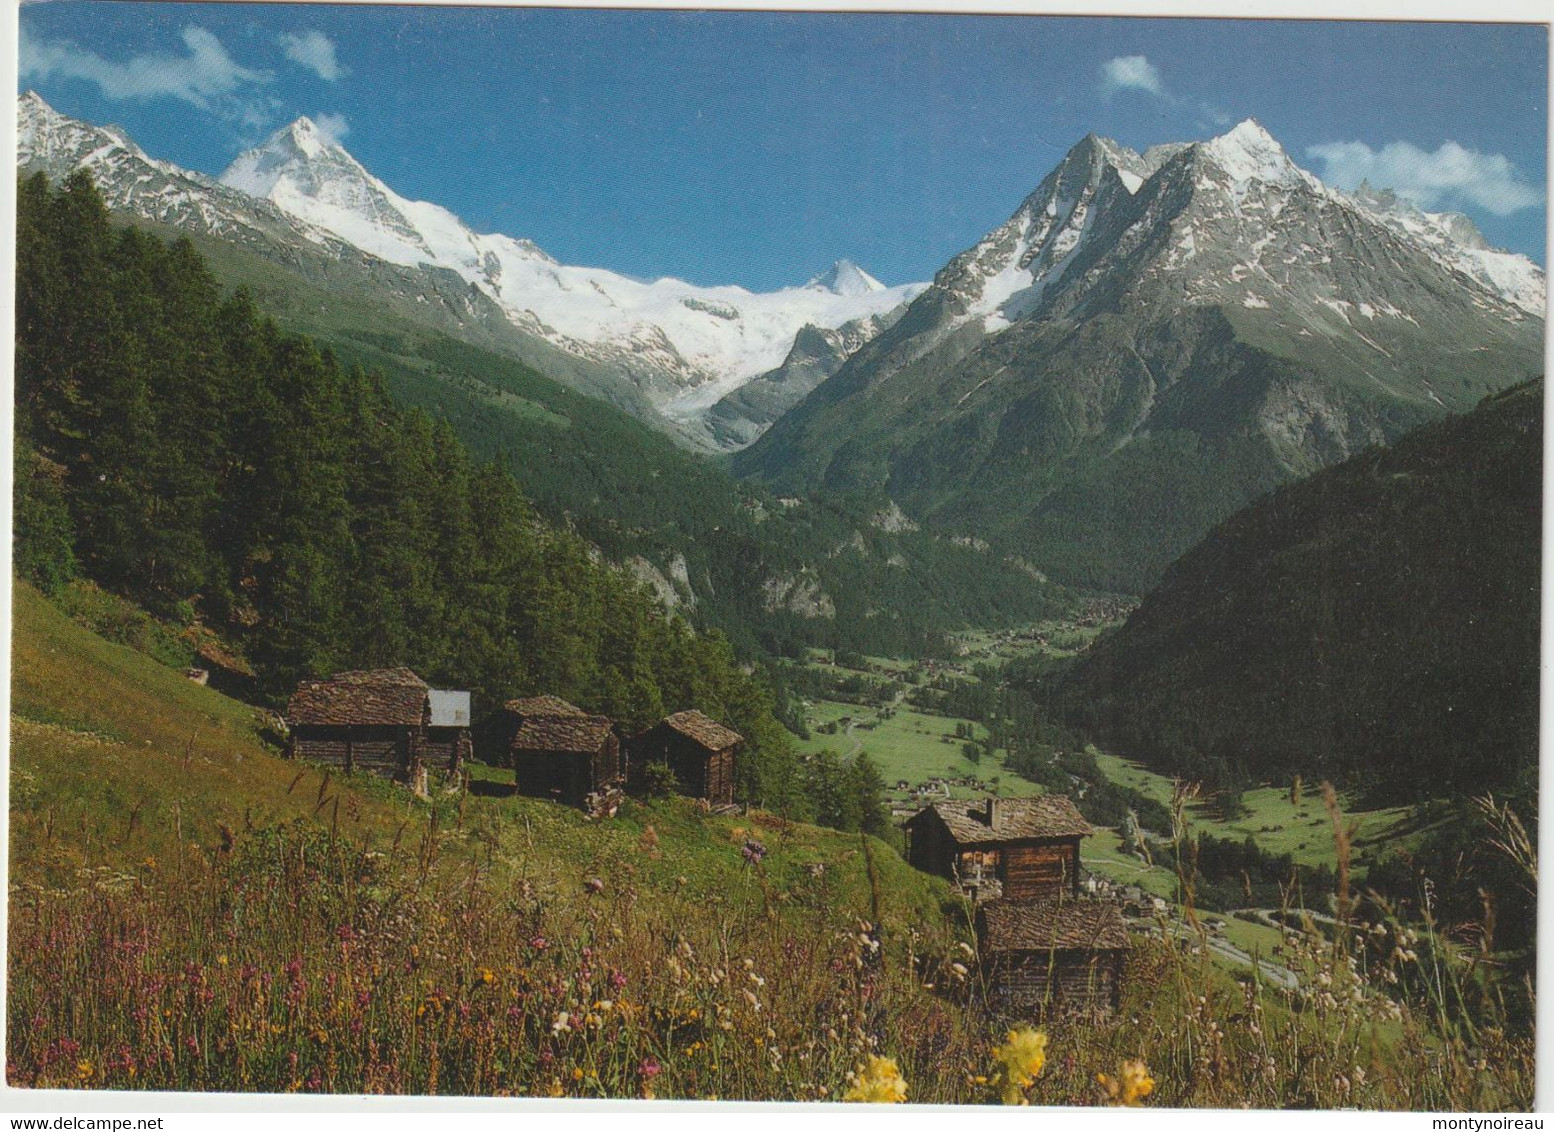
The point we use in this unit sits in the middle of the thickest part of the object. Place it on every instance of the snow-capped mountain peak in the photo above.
(688, 338)
(1249, 154)
(846, 278)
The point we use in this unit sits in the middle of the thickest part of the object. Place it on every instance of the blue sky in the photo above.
(755, 148)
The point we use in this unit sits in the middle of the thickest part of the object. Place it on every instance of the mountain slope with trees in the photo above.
(1376, 624)
(176, 448)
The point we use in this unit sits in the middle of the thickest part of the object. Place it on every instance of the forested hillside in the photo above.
(176, 448)
(1376, 624)
(730, 553)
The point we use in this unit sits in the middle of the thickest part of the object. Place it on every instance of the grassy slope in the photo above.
(1304, 831)
(100, 733)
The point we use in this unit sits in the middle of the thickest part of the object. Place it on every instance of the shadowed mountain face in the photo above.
(1151, 341)
(1376, 624)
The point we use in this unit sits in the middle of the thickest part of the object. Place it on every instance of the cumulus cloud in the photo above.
(1451, 176)
(313, 50)
(206, 76)
(334, 127)
(1131, 72)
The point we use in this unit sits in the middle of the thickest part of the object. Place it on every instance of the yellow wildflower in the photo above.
(555, 1089)
(487, 976)
(1131, 1085)
(1020, 1061)
(878, 1082)
(577, 1074)
(221, 960)
(84, 1070)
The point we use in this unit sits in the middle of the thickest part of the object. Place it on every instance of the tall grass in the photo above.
(289, 960)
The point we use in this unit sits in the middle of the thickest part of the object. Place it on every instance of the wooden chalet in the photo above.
(561, 753)
(387, 721)
(1053, 956)
(696, 748)
(1014, 848)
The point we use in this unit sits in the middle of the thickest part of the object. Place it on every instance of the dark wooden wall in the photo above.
(378, 750)
(560, 776)
(931, 849)
(699, 772)
(568, 777)
(607, 768)
(444, 749)
(1034, 871)
(1041, 983)
(392, 752)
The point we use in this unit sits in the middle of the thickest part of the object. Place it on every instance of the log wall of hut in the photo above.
(698, 772)
(1041, 869)
(443, 750)
(1069, 982)
(932, 850)
(557, 776)
(382, 750)
(568, 776)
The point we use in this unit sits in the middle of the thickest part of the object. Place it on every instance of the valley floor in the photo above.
(189, 911)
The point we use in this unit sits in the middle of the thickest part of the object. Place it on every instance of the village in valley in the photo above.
(1055, 899)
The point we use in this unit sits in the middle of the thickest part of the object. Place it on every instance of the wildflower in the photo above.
(577, 1074)
(149, 863)
(594, 885)
(753, 851)
(221, 960)
(562, 1024)
(1020, 1060)
(84, 1070)
(649, 1068)
(539, 943)
(1131, 1086)
(879, 1082)
(487, 976)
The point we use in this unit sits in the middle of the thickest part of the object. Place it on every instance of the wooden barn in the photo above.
(1053, 956)
(1014, 848)
(697, 749)
(387, 721)
(563, 754)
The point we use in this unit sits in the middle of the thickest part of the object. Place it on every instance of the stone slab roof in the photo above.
(1047, 925)
(703, 729)
(1013, 819)
(570, 734)
(385, 697)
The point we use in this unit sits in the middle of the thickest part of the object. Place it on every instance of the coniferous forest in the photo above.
(175, 448)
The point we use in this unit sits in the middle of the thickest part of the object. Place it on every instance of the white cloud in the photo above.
(334, 127)
(1452, 175)
(313, 50)
(207, 76)
(1131, 72)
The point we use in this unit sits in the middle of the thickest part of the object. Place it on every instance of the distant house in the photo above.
(387, 721)
(1052, 956)
(1017, 848)
(561, 753)
(696, 748)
